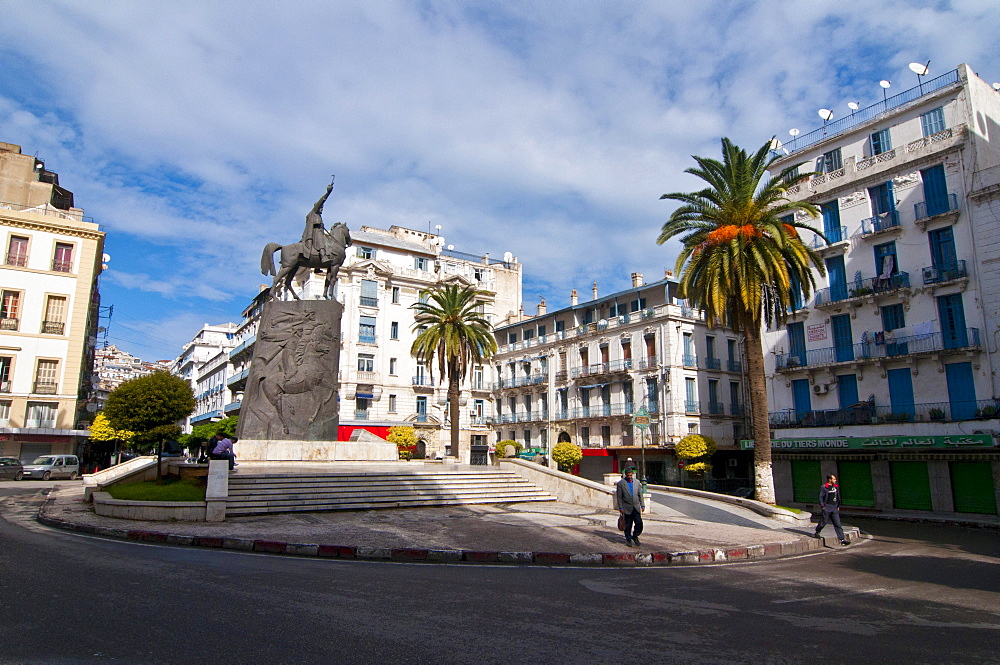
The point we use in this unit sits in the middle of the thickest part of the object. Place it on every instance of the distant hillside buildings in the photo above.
(112, 366)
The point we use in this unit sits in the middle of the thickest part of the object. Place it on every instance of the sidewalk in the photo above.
(540, 533)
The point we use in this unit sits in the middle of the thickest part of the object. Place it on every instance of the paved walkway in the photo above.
(681, 530)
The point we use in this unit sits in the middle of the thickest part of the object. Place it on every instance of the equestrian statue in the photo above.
(319, 250)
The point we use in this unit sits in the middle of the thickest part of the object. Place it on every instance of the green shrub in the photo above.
(698, 467)
(567, 455)
(502, 447)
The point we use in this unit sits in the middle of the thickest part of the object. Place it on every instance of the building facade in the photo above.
(381, 384)
(887, 377)
(205, 363)
(581, 373)
(113, 367)
(48, 311)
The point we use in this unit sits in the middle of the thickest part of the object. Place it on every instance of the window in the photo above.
(792, 175)
(366, 331)
(829, 162)
(883, 198)
(831, 221)
(10, 309)
(639, 303)
(691, 396)
(395, 295)
(541, 331)
(62, 261)
(5, 363)
(17, 251)
(366, 362)
(420, 263)
(394, 330)
(55, 315)
(511, 337)
(527, 438)
(932, 122)
(881, 141)
(392, 404)
(885, 263)
(392, 366)
(560, 326)
(529, 334)
(5, 413)
(369, 293)
(480, 274)
(41, 414)
(477, 378)
(421, 408)
(892, 317)
(366, 252)
(361, 408)
(478, 409)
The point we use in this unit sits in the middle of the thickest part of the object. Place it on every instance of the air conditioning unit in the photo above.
(820, 389)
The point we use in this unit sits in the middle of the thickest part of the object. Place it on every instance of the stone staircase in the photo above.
(263, 494)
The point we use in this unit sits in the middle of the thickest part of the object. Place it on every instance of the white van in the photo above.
(53, 466)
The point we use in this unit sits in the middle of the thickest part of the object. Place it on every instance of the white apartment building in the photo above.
(199, 363)
(48, 310)
(381, 384)
(581, 373)
(113, 367)
(888, 376)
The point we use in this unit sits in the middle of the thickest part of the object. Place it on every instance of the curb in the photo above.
(430, 556)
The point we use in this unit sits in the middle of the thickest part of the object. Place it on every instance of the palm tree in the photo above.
(743, 262)
(449, 326)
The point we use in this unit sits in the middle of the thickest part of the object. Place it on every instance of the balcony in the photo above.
(649, 362)
(366, 377)
(53, 327)
(562, 375)
(689, 360)
(860, 289)
(232, 407)
(361, 414)
(4, 386)
(716, 409)
(369, 302)
(247, 344)
(713, 363)
(737, 410)
(924, 211)
(45, 387)
(420, 418)
(604, 410)
(423, 381)
(894, 347)
(692, 406)
(833, 236)
(62, 266)
(886, 221)
(867, 413)
(8, 323)
(366, 339)
(15, 259)
(239, 376)
(36, 423)
(602, 368)
(735, 366)
(945, 273)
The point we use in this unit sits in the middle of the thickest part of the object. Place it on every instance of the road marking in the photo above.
(831, 596)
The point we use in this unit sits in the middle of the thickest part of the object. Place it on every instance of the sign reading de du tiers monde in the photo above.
(879, 442)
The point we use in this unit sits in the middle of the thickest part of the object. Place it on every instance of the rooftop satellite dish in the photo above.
(918, 69)
(507, 257)
(854, 106)
(775, 144)
(450, 247)
(793, 131)
(106, 258)
(826, 114)
(996, 86)
(885, 84)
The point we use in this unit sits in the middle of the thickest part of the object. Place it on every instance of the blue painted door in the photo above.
(831, 221)
(935, 190)
(892, 319)
(943, 255)
(961, 390)
(901, 392)
(843, 340)
(952, 315)
(802, 396)
(882, 198)
(847, 389)
(837, 275)
(797, 342)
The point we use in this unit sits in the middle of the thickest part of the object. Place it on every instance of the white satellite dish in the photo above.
(826, 114)
(854, 106)
(996, 86)
(885, 84)
(918, 69)
(507, 257)
(106, 258)
(775, 144)
(451, 247)
(793, 131)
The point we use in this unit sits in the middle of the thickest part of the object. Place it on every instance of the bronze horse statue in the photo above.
(319, 249)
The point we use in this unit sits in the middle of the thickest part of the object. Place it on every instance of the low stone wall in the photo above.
(316, 451)
(758, 507)
(566, 487)
(118, 471)
(156, 511)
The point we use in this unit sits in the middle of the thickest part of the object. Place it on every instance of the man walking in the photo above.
(629, 502)
(829, 508)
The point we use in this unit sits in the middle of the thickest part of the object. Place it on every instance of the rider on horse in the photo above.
(314, 235)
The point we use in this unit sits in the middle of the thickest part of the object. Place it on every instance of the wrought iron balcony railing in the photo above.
(690, 360)
(53, 327)
(926, 209)
(891, 347)
(867, 413)
(713, 363)
(881, 222)
(833, 236)
(861, 288)
(8, 323)
(945, 273)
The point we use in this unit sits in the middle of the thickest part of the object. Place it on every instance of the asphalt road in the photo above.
(913, 594)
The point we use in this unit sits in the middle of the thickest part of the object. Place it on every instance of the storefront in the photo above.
(933, 474)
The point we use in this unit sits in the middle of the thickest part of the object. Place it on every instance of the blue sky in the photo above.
(196, 132)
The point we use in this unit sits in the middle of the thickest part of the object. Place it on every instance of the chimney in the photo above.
(637, 279)
(572, 297)
(541, 307)
(668, 273)
(594, 290)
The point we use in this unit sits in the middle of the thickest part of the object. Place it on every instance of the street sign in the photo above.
(641, 418)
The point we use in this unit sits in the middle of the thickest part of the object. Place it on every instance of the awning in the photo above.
(595, 385)
(361, 395)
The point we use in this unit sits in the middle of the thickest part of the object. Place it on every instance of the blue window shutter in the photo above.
(797, 341)
(837, 275)
(802, 396)
(943, 255)
(843, 341)
(847, 389)
(961, 390)
(951, 313)
(901, 391)
(935, 189)
(932, 122)
(831, 221)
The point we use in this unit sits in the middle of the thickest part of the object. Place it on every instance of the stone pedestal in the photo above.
(292, 388)
(316, 451)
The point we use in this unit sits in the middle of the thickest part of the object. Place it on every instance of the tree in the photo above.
(405, 438)
(101, 430)
(150, 406)
(450, 327)
(744, 263)
(696, 447)
(200, 434)
(567, 455)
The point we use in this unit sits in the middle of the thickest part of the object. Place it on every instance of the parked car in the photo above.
(53, 466)
(10, 468)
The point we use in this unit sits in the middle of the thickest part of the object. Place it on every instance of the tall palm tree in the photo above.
(743, 262)
(449, 327)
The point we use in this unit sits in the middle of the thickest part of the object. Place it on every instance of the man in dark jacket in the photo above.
(829, 508)
(629, 501)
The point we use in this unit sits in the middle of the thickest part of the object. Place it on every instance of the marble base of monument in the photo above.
(316, 451)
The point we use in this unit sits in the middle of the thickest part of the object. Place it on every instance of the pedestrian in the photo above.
(629, 464)
(829, 508)
(224, 450)
(629, 502)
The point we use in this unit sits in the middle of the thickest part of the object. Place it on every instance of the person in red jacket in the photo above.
(829, 506)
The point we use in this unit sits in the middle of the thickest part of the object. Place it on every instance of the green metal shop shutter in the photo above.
(856, 487)
(806, 480)
(911, 485)
(972, 487)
